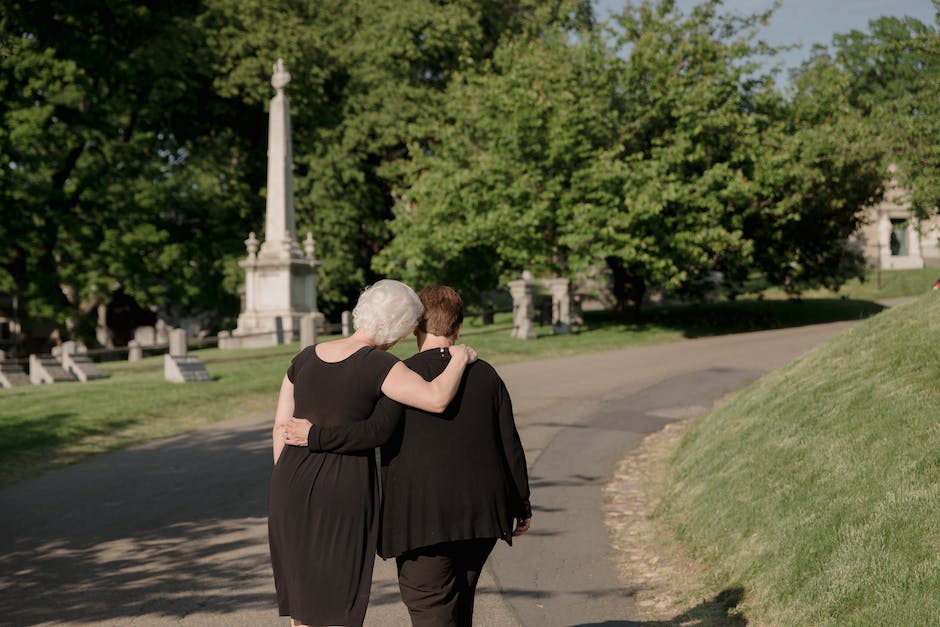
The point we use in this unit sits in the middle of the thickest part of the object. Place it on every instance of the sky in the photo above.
(808, 22)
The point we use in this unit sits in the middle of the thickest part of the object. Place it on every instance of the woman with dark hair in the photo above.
(322, 510)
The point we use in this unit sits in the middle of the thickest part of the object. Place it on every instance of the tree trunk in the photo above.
(629, 289)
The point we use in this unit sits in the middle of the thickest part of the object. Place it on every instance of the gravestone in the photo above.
(45, 369)
(161, 333)
(102, 331)
(523, 306)
(178, 344)
(75, 361)
(347, 323)
(145, 336)
(134, 351)
(180, 367)
(308, 331)
(561, 305)
(11, 373)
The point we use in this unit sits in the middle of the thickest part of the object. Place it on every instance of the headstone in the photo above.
(45, 369)
(184, 369)
(69, 347)
(178, 346)
(561, 305)
(134, 351)
(145, 336)
(523, 306)
(102, 332)
(161, 333)
(81, 366)
(11, 374)
(180, 367)
(347, 321)
(308, 331)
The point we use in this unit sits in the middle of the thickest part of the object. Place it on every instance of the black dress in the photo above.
(322, 507)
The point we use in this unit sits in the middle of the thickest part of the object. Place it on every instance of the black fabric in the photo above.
(438, 583)
(451, 476)
(457, 475)
(322, 507)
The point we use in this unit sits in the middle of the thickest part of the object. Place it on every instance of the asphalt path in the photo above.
(174, 532)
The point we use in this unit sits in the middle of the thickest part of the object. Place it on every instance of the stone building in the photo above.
(893, 238)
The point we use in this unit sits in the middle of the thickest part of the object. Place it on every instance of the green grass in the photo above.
(816, 489)
(890, 284)
(42, 427)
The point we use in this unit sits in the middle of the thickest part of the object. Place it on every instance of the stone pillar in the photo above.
(347, 320)
(178, 347)
(308, 330)
(561, 305)
(134, 351)
(523, 307)
(161, 333)
(102, 332)
(280, 278)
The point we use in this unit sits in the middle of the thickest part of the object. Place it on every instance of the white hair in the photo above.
(387, 311)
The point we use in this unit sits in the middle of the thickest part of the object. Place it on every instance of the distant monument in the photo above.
(280, 280)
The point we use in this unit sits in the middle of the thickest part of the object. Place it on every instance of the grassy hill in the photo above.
(817, 489)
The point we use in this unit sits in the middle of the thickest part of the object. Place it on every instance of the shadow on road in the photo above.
(165, 531)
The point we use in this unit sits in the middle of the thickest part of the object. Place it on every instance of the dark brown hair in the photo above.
(443, 310)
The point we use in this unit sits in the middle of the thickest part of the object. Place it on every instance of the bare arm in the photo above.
(285, 409)
(409, 388)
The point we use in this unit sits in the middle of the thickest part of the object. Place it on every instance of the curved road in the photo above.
(174, 532)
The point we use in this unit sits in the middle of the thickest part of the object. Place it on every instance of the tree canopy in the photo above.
(457, 142)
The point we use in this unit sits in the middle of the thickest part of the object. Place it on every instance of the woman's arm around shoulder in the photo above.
(409, 388)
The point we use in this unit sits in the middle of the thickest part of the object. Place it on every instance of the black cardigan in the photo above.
(451, 476)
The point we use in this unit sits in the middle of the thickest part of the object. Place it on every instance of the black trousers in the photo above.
(438, 582)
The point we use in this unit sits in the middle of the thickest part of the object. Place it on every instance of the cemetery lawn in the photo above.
(891, 284)
(43, 427)
(815, 490)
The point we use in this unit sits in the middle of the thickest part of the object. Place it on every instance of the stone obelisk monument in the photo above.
(280, 279)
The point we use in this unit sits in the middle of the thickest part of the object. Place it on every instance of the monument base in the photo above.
(262, 330)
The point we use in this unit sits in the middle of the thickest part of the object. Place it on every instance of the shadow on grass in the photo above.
(716, 612)
(708, 319)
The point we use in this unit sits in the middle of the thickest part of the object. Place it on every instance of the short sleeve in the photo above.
(380, 362)
(296, 363)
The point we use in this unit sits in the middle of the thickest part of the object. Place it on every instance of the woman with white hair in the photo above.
(322, 507)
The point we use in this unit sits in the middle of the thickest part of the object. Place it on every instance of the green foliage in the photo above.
(367, 85)
(892, 75)
(488, 197)
(815, 488)
(658, 149)
(116, 173)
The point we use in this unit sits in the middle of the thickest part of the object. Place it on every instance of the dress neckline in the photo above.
(344, 359)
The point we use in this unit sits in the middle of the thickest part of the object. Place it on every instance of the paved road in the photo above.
(174, 531)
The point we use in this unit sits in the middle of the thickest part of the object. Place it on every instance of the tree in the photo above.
(663, 154)
(893, 73)
(488, 197)
(367, 89)
(120, 171)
